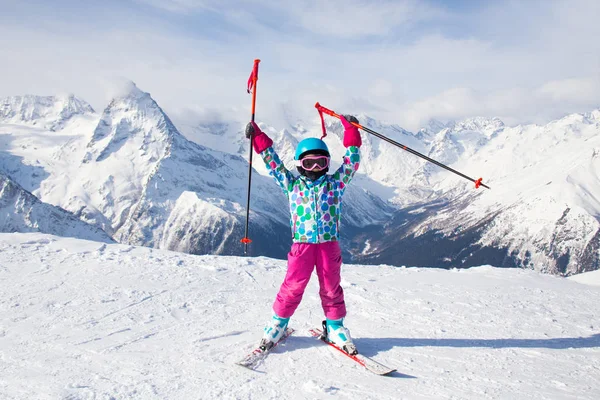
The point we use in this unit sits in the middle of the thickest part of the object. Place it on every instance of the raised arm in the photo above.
(263, 145)
(352, 141)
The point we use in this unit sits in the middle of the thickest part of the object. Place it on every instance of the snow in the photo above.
(89, 320)
(51, 112)
(588, 278)
(20, 211)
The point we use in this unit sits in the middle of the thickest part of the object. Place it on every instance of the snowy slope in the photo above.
(20, 211)
(588, 278)
(85, 320)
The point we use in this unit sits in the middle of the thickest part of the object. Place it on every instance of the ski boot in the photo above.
(273, 332)
(336, 333)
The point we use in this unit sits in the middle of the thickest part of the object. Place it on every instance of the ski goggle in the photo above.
(313, 163)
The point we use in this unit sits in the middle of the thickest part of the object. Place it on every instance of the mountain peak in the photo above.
(485, 125)
(479, 124)
(132, 116)
(125, 88)
(51, 112)
(433, 126)
(129, 97)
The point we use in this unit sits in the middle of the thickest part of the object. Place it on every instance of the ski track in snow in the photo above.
(86, 320)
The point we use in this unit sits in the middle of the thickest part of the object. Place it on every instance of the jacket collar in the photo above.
(310, 183)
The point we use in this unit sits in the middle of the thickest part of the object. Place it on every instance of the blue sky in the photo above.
(402, 61)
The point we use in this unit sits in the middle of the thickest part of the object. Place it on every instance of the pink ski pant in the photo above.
(302, 259)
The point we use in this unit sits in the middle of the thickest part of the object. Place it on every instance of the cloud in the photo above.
(401, 61)
(356, 18)
(338, 18)
(578, 90)
(180, 6)
(381, 88)
(513, 105)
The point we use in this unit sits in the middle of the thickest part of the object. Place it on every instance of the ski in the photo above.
(369, 364)
(253, 359)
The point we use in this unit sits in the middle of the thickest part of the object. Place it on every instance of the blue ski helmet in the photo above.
(310, 145)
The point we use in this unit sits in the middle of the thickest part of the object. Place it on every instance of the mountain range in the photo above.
(132, 173)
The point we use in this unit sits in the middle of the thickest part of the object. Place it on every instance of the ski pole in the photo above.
(403, 147)
(252, 81)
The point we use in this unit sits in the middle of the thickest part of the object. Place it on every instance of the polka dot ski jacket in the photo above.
(315, 207)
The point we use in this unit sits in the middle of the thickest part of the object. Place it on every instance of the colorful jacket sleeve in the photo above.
(350, 163)
(277, 170)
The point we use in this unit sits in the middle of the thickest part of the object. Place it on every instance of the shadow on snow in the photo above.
(371, 346)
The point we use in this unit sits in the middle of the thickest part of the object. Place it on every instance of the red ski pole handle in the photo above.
(254, 79)
(327, 111)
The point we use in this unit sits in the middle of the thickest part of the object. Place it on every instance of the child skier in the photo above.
(315, 203)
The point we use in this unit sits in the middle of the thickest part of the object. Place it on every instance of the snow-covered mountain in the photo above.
(135, 176)
(85, 320)
(130, 171)
(20, 211)
(542, 212)
(50, 112)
